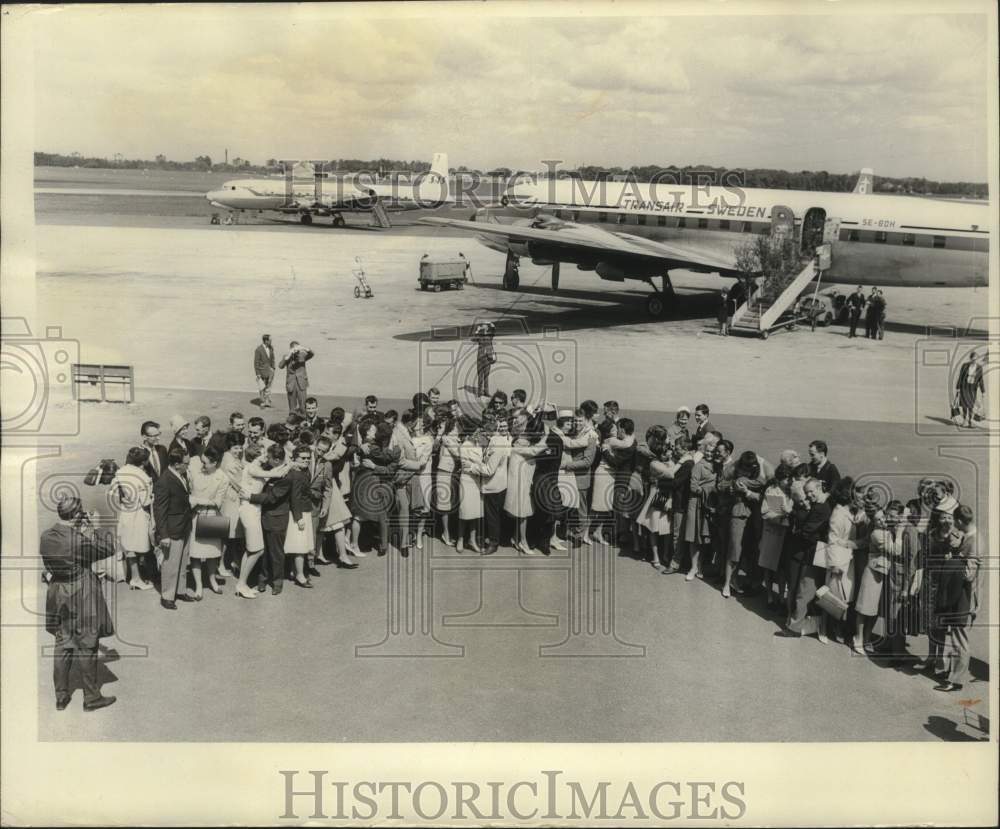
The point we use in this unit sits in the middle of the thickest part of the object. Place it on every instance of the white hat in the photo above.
(178, 422)
(948, 504)
(566, 413)
(683, 409)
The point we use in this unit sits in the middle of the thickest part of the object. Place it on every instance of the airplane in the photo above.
(348, 194)
(630, 230)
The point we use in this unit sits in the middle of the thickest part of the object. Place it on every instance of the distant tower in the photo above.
(227, 156)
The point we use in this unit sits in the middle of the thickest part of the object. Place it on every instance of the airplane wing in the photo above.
(578, 241)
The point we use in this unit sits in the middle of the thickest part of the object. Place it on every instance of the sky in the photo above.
(903, 93)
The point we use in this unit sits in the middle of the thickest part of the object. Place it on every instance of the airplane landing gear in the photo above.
(511, 276)
(657, 302)
(306, 218)
(338, 220)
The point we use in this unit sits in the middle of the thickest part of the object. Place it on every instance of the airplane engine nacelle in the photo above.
(519, 248)
(610, 272)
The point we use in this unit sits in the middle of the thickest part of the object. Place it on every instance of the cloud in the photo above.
(823, 92)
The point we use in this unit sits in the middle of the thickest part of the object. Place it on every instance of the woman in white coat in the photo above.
(132, 491)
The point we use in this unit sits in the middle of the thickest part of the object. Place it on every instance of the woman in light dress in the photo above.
(335, 516)
(470, 497)
(602, 490)
(252, 483)
(132, 490)
(654, 516)
(444, 480)
(884, 546)
(232, 468)
(775, 512)
(421, 485)
(208, 490)
(520, 473)
(838, 554)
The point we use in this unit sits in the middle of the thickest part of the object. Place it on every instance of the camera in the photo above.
(38, 398)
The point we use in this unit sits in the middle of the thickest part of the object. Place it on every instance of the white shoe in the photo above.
(689, 576)
(556, 544)
(530, 551)
(357, 553)
(585, 540)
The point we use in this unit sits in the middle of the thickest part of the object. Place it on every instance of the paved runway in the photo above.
(185, 304)
(683, 663)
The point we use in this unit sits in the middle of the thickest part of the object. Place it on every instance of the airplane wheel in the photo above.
(437, 288)
(459, 286)
(656, 306)
(357, 292)
(763, 335)
(338, 221)
(306, 219)
(828, 319)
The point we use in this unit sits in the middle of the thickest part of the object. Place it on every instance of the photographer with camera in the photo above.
(75, 611)
(296, 376)
(486, 356)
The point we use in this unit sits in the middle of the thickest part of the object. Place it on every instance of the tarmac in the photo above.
(185, 304)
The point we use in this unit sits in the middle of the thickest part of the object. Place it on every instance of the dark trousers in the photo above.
(86, 658)
(806, 578)
(401, 518)
(272, 563)
(296, 400)
(855, 319)
(544, 523)
(493, 515)
(870, 327)
(581, 514)
(483, 378)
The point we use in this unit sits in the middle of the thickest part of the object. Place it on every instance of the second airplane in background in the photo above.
(331, 194)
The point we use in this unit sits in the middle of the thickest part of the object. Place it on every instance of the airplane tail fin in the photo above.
(439, 165)
(866, 181)
(439, 169)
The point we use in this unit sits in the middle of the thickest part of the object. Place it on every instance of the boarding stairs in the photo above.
(380, 218)
(764, 312)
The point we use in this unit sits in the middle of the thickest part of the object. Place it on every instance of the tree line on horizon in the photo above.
(690, 174)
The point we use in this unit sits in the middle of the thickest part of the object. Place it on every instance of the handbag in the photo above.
(831, 604)
(879, 564)
(211, 527)
(956, 410)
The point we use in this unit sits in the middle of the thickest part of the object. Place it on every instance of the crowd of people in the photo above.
(260, 504)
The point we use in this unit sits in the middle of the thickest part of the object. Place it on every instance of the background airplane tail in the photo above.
(439, 168)
(866, 181)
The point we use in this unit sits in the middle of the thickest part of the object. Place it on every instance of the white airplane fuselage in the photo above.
(874, 239)
(339, 193)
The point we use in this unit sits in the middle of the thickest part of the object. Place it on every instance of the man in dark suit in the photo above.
(579, 459)
(296, 376)
(172, 515)
(75, 611)
(486, 356)
(274, 502)
(312, 418)
(804, 577)
(263, 368)
(820, 467)
(157, 461)
(702, 424)
(546, 500)
(855, 304)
